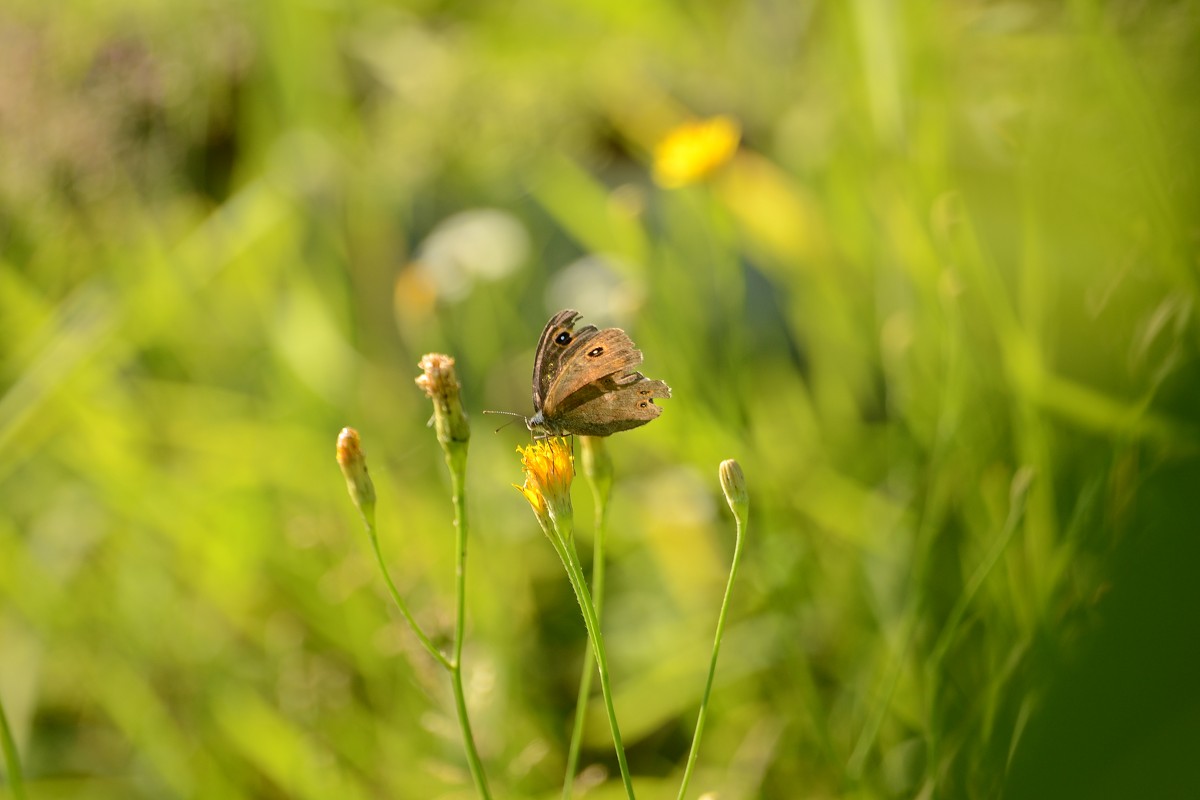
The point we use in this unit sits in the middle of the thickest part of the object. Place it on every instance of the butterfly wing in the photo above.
(609, 405)
(557, 338)
(586, 361)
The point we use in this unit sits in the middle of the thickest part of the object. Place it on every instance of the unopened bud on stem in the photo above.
(354, 467)
(733, 484)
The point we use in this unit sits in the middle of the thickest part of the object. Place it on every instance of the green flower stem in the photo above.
(12, 764)
(712, 667)
(456, 460)
(599, 477)
(566, 552)
(399, 600)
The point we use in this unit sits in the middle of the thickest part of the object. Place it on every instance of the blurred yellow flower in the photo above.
(548, 472)
(693, 150)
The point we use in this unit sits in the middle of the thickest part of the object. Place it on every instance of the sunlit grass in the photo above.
(940, 304)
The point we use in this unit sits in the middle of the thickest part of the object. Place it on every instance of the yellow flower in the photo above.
(548, 472)
(354, 468)
(693, 150)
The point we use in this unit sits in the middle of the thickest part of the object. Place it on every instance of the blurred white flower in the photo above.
(601, 285)
(480, 244)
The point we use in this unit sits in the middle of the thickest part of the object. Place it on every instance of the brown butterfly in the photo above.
(584, 381)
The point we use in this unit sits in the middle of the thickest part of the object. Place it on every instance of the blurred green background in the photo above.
(940, 306)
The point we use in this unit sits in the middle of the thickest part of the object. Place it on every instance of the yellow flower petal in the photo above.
(693, 150)
(549, 468)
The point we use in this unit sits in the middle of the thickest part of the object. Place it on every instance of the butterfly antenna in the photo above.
(510, 422)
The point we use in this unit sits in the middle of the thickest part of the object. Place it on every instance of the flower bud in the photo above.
(733, 484)
(597, 465)
(354, 467)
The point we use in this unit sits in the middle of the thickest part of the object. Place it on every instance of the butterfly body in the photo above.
(585, 381)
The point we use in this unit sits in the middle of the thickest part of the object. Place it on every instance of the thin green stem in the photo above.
(399, 600)
(566, 552)
(712, 667)
(456, 461)
(460, 561)
(601, 482)
(12, 763)
(585, 691)
(457, 464)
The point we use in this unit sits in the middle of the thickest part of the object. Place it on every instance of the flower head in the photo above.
(693, 150)
(548, 472)
(440, 383)
(354, 467)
